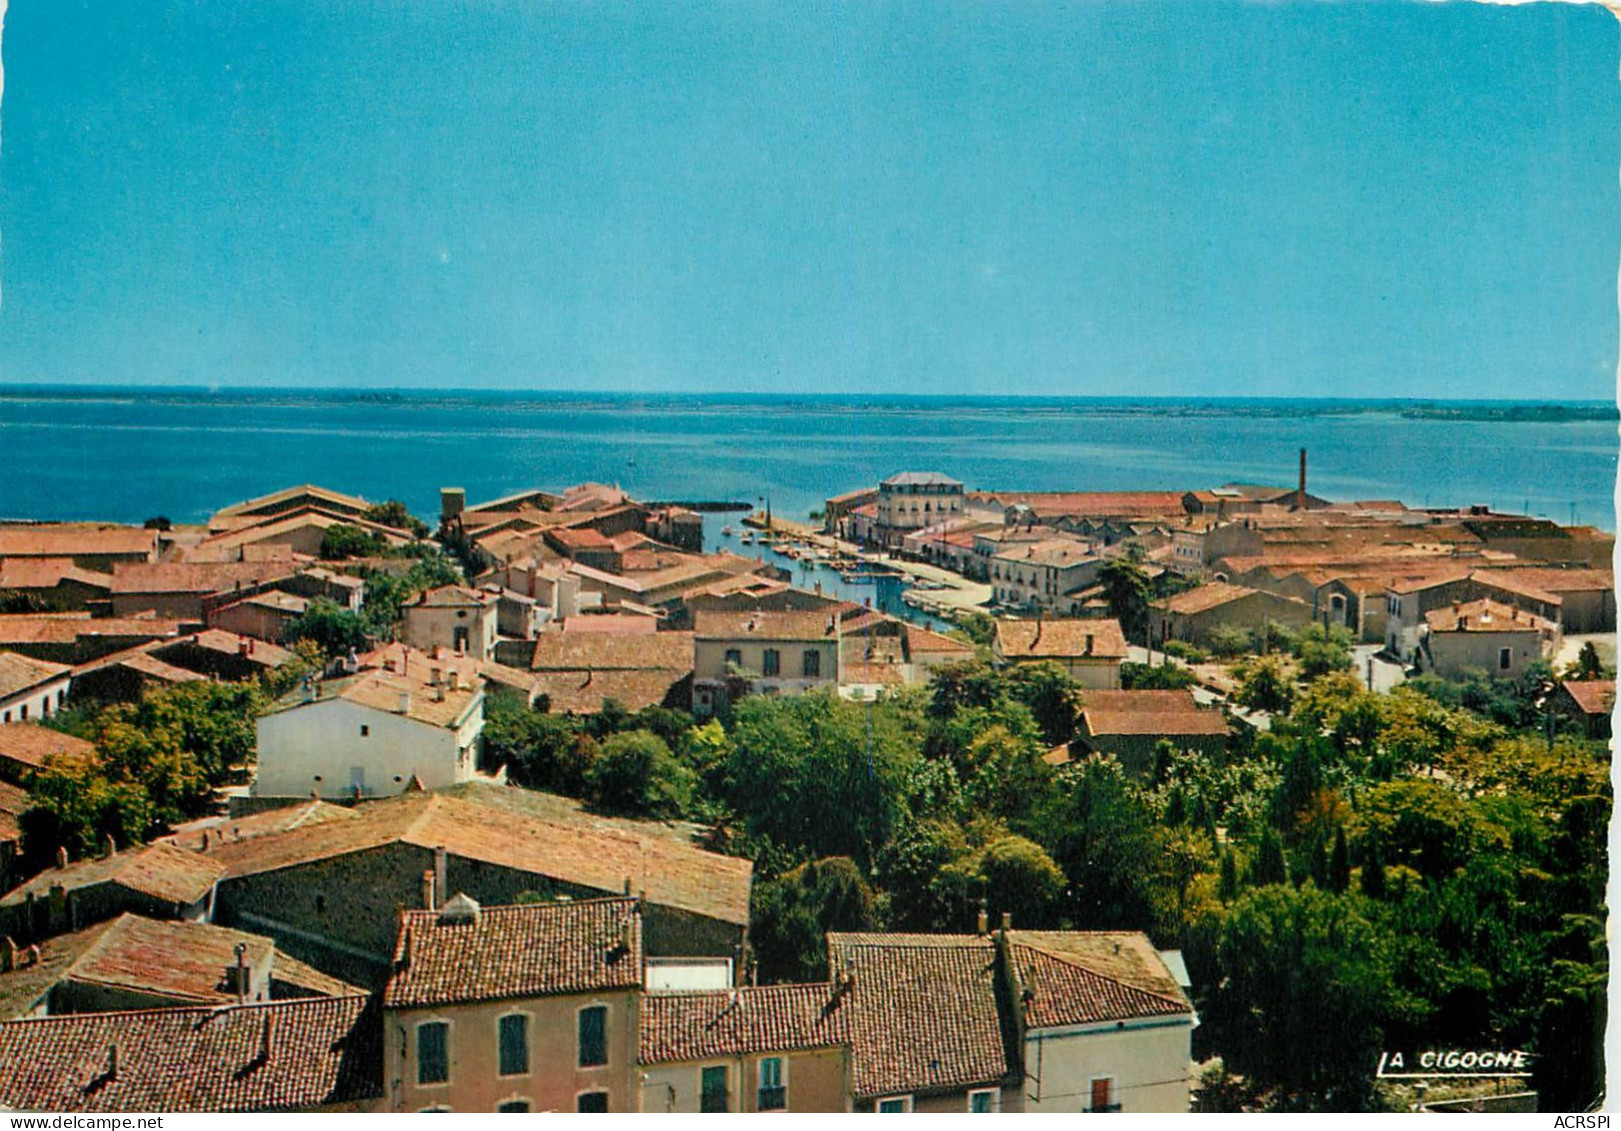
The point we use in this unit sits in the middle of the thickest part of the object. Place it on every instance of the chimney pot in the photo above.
(428, 901)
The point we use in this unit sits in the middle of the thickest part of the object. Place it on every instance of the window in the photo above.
(591, 1101)
(734, 658)
(433, 1052)
(365, 731)
(712, 1093)
(773, 1091)
(1103, 1094)
(894, 1104)
(514, 1106)
(514, 1041)
(813, 663)
(24, 712)
(982, 1101)
(772, 664)
(436, 1109)
(593, 1037)
(1505, 658)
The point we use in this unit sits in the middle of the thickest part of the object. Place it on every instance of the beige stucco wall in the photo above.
(323, 739)
(554, 1079)
(709, 660)
(426, 626)
(815, 1082)
(1453, 653)
(1150, 1066)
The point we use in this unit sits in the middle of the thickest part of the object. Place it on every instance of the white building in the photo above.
(30, 688)
(914, 500)
(370, 734)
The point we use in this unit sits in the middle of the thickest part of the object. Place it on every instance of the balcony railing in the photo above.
(1104, 1108)
(773, 1099)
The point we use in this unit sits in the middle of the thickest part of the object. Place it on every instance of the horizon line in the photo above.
(7, 387)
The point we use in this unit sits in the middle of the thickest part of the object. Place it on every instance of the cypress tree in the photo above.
(1339, 864)
(1373, 873)
(1270, 866)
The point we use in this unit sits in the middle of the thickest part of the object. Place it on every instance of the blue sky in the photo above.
(1203, 198)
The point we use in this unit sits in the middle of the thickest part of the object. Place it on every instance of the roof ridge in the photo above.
(1096, 973)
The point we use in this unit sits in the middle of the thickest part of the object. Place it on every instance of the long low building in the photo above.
(329, 892)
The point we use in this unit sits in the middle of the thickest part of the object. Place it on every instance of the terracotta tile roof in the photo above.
(299, 519)
(140, 659)
(277, 1056)
(50, 540)
(195, 577)
(1483, 616)
(1429, 580)
(1517, 583)
(223, 829)
(1059, 553)
(624, 625)
(290, 494)
(1210, 595)
(564, 843)
(1098, 503)
(20, 673)
(30, 745)
(1060, 639)
(580, 539)
(160, 871)
(385, 691)
(1066, 988)
(584, 692)
(522, 950)
(742, 1022)
(261, 652)
(181, 961)
(764, 624)
(1125, 956)
(1592, 696)
(274, 600)
(927, 1016)
(1555, 581)
(1149, 712)
(595, 651)
(450, 597)
(47, 573)
(70, 628)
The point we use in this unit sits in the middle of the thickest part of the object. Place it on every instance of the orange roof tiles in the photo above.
(1483, 616)
(519, 951)
(742, 1022)
(581, 651)
(47, 573)
(278, 1056)
(764, 624)
(1592, 696)
(51, 540)
(1060, 639)
(926, 1016)
(584, 692)
(1065, 991)
(161, 871)
(1149, 712)
(23, 673)
(566, 844)
(30, 746)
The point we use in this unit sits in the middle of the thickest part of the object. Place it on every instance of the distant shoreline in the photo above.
(1500, 411)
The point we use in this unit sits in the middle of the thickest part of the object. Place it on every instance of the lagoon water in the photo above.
(127, 454)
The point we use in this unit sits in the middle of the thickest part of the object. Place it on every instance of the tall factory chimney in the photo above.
(1300, 496)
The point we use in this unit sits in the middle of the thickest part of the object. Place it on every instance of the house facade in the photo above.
(461, 620)
(372, 735)
(1090, 651)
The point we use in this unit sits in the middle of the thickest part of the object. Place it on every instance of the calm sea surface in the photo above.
(126, 454)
